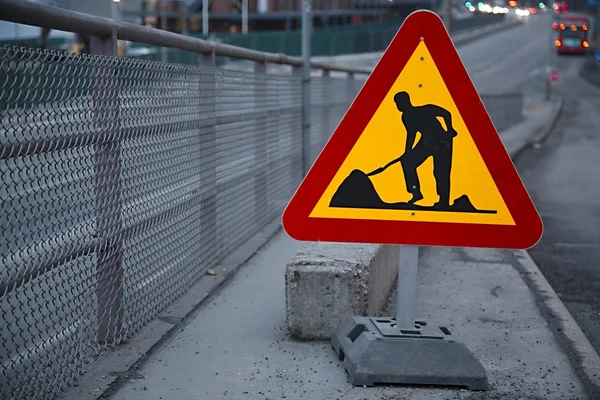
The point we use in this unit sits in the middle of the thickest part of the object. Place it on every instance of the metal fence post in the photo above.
(260, 141)
(297, 139)
(350, 95)
(208, 172)
(447, 14)
(109, 268)
(325, 109)
(306, 35)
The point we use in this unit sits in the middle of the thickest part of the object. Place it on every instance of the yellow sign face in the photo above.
(409, 166)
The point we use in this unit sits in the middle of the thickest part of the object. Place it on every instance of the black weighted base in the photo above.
(374, 351)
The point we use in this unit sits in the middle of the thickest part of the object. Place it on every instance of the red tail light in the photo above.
(585, 44)
(558, 43)
(555, 25)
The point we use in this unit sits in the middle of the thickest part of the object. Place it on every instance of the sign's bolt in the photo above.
(420, 84)
(422, 58)
(422, 38)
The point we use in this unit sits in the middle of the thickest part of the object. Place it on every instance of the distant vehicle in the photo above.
(574, 32)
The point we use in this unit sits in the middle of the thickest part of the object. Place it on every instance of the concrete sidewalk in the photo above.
(496, 302)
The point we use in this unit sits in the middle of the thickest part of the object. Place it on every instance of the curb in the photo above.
(546, 131)
(582, 356)
(543, 132)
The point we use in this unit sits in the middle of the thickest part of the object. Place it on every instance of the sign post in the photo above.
(406, 301)
(416, 161)
(553, 78)
(306, 53)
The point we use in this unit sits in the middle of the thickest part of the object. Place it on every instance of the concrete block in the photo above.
(327, 283)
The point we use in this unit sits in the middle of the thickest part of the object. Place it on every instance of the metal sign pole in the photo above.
(406, 303)
(306, 31)
(447, 14)
(205, 18)
(163, 26)
(551, 64)
(244, 16)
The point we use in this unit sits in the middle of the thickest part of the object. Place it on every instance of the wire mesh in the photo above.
(330, 99)
(122, 181)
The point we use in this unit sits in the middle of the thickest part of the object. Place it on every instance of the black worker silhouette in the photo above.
(357, 190)
(435, 142)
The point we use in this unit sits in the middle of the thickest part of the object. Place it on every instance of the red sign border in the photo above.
(528, 226)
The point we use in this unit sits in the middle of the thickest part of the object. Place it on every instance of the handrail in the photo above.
(30, 13)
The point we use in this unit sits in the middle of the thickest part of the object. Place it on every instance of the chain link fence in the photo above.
(122, 182)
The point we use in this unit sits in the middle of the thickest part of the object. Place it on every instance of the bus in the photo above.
(573, 34)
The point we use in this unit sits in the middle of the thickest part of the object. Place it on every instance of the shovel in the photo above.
(386, 166)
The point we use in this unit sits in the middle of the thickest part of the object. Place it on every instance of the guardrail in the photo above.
(122, 181)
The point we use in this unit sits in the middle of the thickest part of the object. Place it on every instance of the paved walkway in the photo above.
(237, 348)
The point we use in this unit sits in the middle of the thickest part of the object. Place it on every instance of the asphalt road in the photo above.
(513, 60)
(563, 180)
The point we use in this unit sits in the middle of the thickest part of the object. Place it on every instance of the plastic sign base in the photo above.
(375, 351)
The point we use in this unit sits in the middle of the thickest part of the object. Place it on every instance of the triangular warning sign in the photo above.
(416, 160)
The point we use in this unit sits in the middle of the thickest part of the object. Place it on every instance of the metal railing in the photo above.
(122, 181)
(106, 30)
